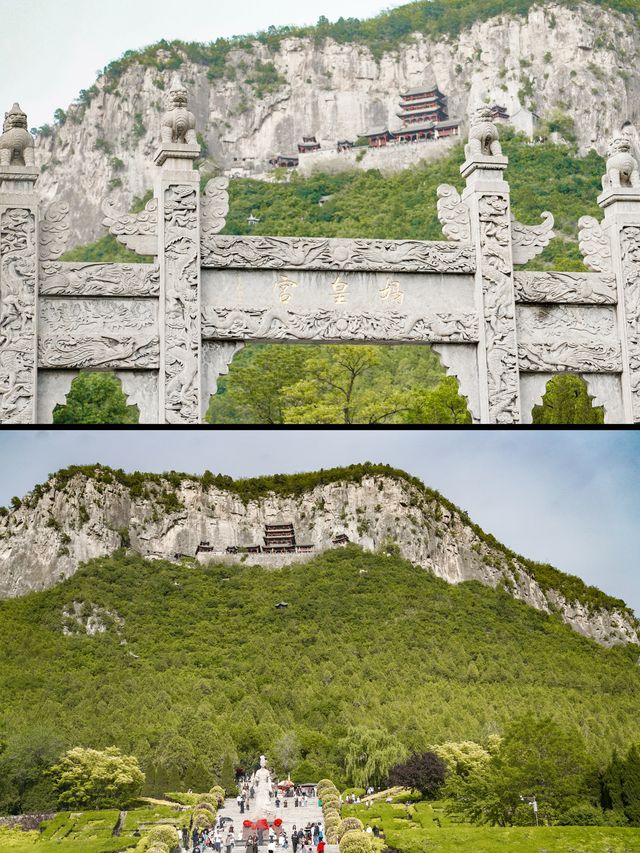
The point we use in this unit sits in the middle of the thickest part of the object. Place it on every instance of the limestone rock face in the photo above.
(577, 61)
(45, 540)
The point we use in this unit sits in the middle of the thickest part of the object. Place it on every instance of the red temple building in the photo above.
(499, 113)
(309, 143)
(284, 161)
(424, 104)
(424, 116)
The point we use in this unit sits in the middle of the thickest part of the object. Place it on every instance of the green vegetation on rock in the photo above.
(206, 671)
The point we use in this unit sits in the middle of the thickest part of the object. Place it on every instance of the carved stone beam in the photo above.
(106, 334)
(314, 253)
(569, 356)
(566, 287)
(137, 231)
(527, 241)
(80, 279)
(337, 326)
(214, 209)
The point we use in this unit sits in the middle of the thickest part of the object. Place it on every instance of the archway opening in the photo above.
(96, 398)
(337, 384)
(567, 401)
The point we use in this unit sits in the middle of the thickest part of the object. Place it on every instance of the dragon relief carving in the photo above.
(499, 310)
(527, 241)
(137, 231)
(215, 206)
(282, 324)
(575, 356)
(630, 250)
(182, 312)
(453, 214)
(81, 333)
(78, 279)
(565, 287)
(17, 316)
(54, 231)
(316, 253)
(594, 245)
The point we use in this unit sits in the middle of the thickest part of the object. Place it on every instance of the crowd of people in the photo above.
(222, 838)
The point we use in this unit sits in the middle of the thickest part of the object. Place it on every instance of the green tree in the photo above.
(94, 779)
(287, 751)
(440, 405)
(537, 757)
(631, 785)
(96, 398)
(370, 754)
(566, 401)
(463, 758)
(335, 389)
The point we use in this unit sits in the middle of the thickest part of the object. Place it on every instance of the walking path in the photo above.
(311, 813)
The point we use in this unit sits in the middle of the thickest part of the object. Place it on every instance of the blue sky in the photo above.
(55, 47)
(571, 498)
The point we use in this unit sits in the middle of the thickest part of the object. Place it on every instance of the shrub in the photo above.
(583, 814)
(202, 819)
(219, 794)
(349, 824)
(163, 834)
(94, 779)
(207, 807)
(158, 848)
(324, 783)
(355, 841)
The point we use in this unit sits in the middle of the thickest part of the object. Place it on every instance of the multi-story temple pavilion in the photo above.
(424, 116)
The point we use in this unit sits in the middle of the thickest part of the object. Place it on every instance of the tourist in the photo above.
(282, 841)
(294, 838)
(369, 829)
(229, 841)
(272, 845)
(255, 844)
(320, 848)
(316, 832)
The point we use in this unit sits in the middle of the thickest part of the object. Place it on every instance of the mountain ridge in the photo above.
(253, 99)
(84, 512)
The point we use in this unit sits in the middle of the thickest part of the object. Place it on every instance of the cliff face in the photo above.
(578, 61)
(44, 541)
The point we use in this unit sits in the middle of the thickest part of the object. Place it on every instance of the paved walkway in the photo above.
(290, 815)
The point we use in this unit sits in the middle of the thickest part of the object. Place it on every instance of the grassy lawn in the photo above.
(87, 832)
(414, 829)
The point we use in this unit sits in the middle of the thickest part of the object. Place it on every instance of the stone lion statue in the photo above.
(483, 135)
(622, 168)
(17, 147)
(178, 124)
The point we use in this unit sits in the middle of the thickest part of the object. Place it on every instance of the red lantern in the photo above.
(248, 824)
(277, 821)
(262, 824)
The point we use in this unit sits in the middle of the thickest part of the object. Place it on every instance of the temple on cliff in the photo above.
(424, 116)
(309, 143)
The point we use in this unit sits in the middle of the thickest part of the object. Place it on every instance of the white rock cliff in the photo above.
(45, 540)
(578, 61)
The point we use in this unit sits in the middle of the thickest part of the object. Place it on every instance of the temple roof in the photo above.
(453, 122)
(420, 90)
(376, 131)
(414, 128)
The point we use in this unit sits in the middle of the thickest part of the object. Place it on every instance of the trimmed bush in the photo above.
(203, 819)
(207, 807)
(349, 824)
(159, 848)
(163, 834)
(331, 835)
(219, 793)
(355, 841)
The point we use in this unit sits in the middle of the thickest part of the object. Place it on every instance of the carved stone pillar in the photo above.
(178, 195)
(622, 226)
(18, 273)
(487, 197)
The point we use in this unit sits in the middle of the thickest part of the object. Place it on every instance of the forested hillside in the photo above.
(197, 664)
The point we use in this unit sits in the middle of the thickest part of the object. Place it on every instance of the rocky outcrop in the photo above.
(51, 534)
(578, 61)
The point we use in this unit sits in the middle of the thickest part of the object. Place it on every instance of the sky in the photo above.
(55, 48)
(567, 497)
